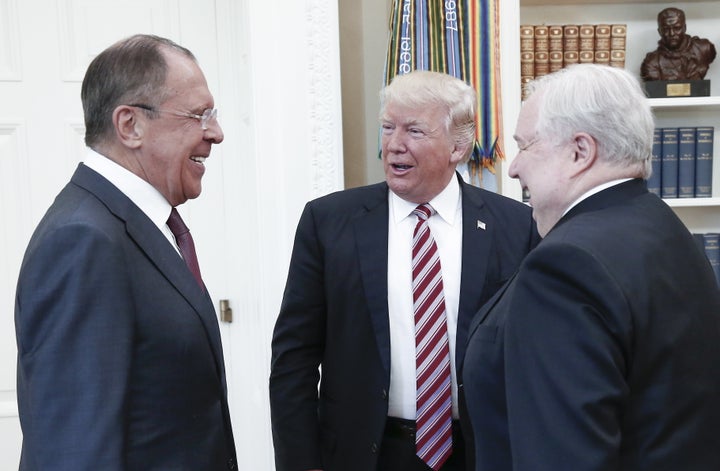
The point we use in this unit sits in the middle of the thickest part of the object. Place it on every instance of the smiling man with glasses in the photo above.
(120, 365)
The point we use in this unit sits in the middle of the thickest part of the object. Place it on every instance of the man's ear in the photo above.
(458, 153)
(585, 152)
(129, 126)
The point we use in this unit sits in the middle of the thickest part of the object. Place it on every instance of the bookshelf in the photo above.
(640, 16)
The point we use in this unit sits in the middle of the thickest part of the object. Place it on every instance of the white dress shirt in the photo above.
(143, 194)
(446, 228)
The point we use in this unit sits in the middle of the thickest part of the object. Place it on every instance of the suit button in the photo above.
(231, 464)
(384, 394)
(374, 448)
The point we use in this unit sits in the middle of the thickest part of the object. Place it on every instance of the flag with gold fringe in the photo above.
(460, 38)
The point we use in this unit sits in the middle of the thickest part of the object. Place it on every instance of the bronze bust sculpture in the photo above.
(679, 56)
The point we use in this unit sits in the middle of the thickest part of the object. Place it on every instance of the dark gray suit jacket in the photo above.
(603, 352)
(334, 314)
(120, 365)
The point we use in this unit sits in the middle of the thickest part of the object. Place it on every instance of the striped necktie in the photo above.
(432, 354)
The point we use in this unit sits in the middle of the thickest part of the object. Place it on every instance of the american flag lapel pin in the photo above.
(480, 225)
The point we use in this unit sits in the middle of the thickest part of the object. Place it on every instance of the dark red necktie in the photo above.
(185, 244)
(433, 439)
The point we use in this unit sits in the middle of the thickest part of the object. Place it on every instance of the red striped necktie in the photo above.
(185, 244)
(432, 353)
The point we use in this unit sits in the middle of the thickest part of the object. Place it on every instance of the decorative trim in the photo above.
(324, 113)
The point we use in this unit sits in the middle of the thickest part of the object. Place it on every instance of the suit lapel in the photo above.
(371, 233)
(476, 244)
(156, 248)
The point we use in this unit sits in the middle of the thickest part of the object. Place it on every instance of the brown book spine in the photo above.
(602, 37)
(527, 58)
(587, 41)
(527, 51)
(570, 58)
(586, 57)
(555, 61)
(602, 57)
(542, 51)
(555, 38)
(527, 38)
(587, 44)
(618, 34)
(571, 45)
(527, 64)
(602, 44)
(555, 47)
(617, 59)
(524, 81)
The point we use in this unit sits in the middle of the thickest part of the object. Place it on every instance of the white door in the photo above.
(45, 48)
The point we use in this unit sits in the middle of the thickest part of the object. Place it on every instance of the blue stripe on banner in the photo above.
(452, 36)
(485, 78)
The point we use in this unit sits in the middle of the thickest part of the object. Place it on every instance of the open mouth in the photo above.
(200, 160)
(401, 166)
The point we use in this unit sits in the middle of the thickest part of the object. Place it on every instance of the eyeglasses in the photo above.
(208, 116)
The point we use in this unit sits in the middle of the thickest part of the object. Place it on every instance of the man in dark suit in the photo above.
(603, 352)
(120, 365)
(348, 303)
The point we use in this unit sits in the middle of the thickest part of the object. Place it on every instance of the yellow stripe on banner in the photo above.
(436, 31)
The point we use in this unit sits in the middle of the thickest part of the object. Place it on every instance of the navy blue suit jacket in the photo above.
(334, 314)
(120, 365)
(603, 352)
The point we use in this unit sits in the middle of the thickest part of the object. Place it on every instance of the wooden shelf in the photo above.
(680, 103)
(692, 202)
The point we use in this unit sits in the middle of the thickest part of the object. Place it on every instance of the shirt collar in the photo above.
(597, 189)
(143, 194)
(445, 203)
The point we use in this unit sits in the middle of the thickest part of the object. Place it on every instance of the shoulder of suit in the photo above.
(491, 199)
(354, 196)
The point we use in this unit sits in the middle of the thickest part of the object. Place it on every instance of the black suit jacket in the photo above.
(334, 314)
(120, 365)
(603, 352)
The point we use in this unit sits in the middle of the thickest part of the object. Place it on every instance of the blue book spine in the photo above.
(686, 162)
(699, 240)
(669, 162)
(653, 183)
(704, 161)
(712, 250)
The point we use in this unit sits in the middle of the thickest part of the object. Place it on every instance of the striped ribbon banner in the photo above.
(460, 38)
